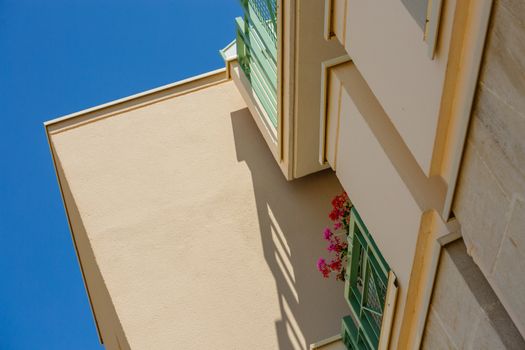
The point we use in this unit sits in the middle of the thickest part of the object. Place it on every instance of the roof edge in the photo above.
(201, 78)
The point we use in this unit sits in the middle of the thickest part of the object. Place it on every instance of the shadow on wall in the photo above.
(106, 319)
(292, 216)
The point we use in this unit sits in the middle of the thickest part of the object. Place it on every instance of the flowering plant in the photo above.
(337, 238)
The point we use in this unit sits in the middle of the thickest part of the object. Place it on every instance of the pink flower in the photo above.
(321, 263)
(327, 233)
(340, 214)
(323, 267)
(336, 245)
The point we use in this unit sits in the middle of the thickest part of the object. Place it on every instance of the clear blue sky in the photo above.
(58, 57)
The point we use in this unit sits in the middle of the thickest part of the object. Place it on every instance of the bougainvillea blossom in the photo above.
(337, 238)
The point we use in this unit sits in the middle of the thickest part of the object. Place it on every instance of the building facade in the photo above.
(196, 208)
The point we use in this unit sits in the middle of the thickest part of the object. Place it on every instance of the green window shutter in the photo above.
(257, 51)
(366, 287)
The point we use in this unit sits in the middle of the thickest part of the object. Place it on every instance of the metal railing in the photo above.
(257, 51)
(266, 11)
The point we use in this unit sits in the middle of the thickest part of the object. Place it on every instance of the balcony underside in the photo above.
(285, 81)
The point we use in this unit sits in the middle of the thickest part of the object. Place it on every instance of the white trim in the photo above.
(224, 52)
(389, 312)
(287, 97)
(229, 54)
(325, 66)
(279, 92)
(136, 96)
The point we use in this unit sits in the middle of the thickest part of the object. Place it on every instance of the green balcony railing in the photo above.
(257, 51)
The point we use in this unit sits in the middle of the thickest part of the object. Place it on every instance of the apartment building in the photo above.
(196, 209)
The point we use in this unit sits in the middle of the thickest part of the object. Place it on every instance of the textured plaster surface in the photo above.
(198, 237)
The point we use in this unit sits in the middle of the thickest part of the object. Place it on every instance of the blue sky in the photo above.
(58, 57)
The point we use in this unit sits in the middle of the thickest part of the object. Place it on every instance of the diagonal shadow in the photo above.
(291, 217)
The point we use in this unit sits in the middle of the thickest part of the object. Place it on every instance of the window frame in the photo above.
(367, 274)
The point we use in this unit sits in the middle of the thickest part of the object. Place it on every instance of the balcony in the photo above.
(257, 52)
(277, 69)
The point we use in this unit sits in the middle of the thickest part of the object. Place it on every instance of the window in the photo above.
(366, 288)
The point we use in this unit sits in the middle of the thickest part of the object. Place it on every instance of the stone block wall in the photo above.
(490, 198)
(465, 313)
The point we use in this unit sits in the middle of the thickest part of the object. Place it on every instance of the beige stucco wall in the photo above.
(490, 198)
(389, 49)
(196, 235)
(106, 319)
